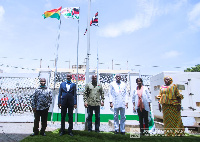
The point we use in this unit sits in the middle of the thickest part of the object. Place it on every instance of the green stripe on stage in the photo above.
(81, 117)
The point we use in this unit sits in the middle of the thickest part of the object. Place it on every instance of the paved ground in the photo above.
(14, 132)
(16, 128)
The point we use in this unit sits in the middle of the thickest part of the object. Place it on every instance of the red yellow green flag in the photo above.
(54, 13)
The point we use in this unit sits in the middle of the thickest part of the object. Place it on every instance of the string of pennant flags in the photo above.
(16, 67)
(136, 65)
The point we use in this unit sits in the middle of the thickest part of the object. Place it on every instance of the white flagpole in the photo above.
(54, 94)
(97, 63)
(97, 56)
(77, 73)
(88, 54)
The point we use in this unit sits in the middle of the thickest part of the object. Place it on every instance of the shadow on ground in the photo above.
(12, 137)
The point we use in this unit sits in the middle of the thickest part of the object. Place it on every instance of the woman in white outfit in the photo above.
(141, 103)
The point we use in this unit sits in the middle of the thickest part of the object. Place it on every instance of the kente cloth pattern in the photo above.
(169, 95)
(173, 125)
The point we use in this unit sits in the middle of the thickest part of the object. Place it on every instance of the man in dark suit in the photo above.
(67, 98)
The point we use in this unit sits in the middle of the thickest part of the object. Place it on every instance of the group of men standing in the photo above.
(67, 99)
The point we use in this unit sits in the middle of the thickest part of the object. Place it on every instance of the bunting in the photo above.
(85, 31)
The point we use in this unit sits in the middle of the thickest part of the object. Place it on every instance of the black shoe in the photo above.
(97, 131)
(123, 133)
(89, 130)
(116, 132)
(62, 133)
(70, 133)
(43, 134)
(33, 134)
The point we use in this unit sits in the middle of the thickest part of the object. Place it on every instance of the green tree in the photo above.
(193, 69)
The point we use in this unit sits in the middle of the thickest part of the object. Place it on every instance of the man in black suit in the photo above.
(67, 98)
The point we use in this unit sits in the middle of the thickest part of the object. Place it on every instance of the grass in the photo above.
(84, 136)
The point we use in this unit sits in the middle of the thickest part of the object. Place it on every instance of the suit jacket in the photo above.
(67, 98)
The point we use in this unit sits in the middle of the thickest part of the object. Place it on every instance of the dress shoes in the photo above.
(97, 131)
(43, 134)
(123, 133)
(33, 134)
(116, 132)
(62, 133)
(70, 133)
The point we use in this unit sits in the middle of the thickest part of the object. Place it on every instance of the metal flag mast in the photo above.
(97, 55)
(87, 60)
(97, 63)
(77, 74)
(56, 62)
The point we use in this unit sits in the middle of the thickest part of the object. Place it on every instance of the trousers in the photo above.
(122, 120)
(143, 116)
(43, 114)
(70, 116)
(96, 109)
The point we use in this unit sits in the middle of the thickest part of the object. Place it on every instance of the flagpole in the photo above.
(87, 61)
(54, 94)
(97, 56)
(97, 63)
(77, 75)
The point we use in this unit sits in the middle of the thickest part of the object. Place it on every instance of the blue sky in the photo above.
(163, 33)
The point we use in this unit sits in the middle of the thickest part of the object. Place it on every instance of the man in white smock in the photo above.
(118, 98)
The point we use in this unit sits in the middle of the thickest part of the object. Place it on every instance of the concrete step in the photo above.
(128, 124)
(159, 125)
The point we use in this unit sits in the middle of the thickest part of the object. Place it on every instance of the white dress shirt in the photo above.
(118, 94)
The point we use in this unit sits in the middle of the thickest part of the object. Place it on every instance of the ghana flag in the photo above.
(54, 13)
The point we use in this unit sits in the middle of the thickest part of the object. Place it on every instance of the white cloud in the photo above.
(149, 10)
(194, 17)
(126, 26)
(141, 20)
(2, 12)
(171, 54)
